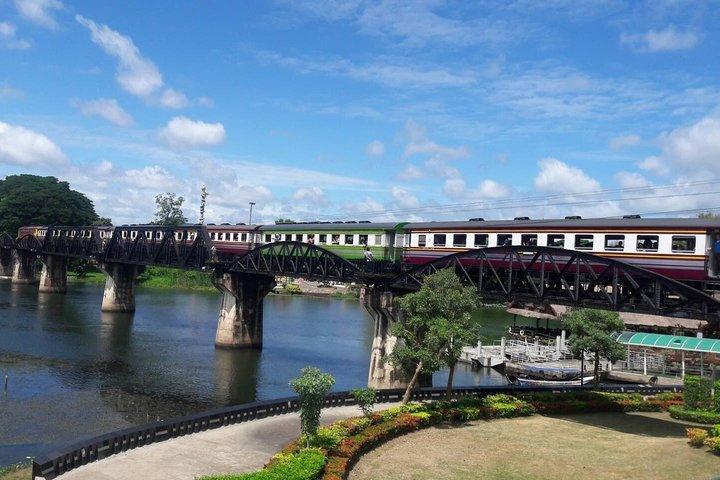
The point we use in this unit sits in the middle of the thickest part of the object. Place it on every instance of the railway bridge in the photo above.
(520, 275)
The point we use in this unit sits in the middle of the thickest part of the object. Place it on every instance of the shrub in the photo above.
(699, 416)
(697, 392)
(366, 398)
(715, 431)
(713, 443)
(312, 386)
(696, 436)
(305, 465)
(293, 289)
(329, 437)
(716, 397)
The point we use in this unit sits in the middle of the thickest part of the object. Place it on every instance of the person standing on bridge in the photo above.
(368, 259)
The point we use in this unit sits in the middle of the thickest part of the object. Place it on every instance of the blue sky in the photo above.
(366, 110)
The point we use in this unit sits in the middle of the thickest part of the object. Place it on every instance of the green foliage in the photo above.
(160, 277)
(312, 386)
(696, 436)
(293, 289)
(80, 267)
(708, 215)
(366, 398)
(713, 443)
(102, 222)
(590, 331)
(436, 325)
(698, 416)
(305, 465)
(34, 200)
(329, 437)
(697, 392)
(168, 210)
(715, 431)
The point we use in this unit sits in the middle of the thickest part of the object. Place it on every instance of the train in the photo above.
(679, 248)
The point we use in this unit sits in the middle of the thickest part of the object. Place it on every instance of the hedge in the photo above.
(338, 446)
(697, 392)
(679, 412)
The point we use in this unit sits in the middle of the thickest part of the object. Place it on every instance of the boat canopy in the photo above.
(671, 342)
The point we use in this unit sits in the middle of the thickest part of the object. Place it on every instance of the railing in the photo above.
(58, 462)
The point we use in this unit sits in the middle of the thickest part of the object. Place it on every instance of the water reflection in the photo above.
(75, 371)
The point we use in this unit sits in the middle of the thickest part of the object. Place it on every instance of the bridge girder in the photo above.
(547, 275)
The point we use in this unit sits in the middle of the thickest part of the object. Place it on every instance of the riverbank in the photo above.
(16, 472)
(174, 279)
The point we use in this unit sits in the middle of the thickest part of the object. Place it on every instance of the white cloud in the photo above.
(411, 172)
(8, 38)
(456, 189)
(107, 108)
(668, 39)
(183, 133)
(21, 146)
(559, 177)
(313, 196)
(39, 12)
(375, 148)
(205, 101)
(403, 198)
(385, 72)
(623, 141)
(136, 74)
(173, 99)
(631, 180)
(655, 165)
(418, 143)
(152, 178)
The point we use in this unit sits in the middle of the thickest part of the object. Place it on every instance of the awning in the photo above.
(670, 342)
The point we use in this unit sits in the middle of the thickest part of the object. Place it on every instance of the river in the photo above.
(75, 372)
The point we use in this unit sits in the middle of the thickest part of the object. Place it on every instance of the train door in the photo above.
(714, 255)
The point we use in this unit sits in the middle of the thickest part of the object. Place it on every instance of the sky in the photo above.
(367, 110)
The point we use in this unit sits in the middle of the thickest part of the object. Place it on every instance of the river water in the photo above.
(75, 372)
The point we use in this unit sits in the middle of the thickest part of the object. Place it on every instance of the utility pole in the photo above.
(251, 208)
(203, 197)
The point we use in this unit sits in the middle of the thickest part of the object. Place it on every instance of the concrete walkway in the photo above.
(233, 449)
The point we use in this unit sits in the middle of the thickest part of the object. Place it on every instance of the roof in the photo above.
(342, 226)
(670, 342)
(629, 223)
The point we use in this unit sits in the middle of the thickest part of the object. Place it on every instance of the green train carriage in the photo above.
(346, 239)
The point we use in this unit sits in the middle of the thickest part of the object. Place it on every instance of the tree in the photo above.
(590, 331)
(102, 222)
(34, 200)
(708, 215)
(282, 220)
(168, 210)
(436, 324)
(312, 386)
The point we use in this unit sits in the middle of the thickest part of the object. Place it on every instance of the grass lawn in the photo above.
(21, 474)
(585, 446)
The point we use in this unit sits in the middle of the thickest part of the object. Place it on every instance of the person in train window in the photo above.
(717, 248)
(647, 244)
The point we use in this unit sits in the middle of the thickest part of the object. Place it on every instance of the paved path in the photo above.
(236, 448)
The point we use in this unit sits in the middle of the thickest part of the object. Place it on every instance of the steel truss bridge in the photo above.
(516, 274)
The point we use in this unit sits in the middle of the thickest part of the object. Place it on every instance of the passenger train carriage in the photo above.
(680, 248)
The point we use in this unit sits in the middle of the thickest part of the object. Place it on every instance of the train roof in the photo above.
(628, 223)
(332, 226)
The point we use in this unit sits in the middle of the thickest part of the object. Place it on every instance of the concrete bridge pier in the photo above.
(240, 323)
(119, 295)
(381, 307)
(23, 271)
(6, 263)
(53, 276)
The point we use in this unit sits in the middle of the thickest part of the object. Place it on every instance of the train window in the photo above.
(615, 242)
(235, 237)
(335, 239)
(378, 240)
(268, 238)
(349, 239)
(311, 238)
(556, 240)
(459, 240)
(439, 240)
(504, 240)
(124, 234)
(363, 240)
(683, 244)
(481, 240)
(422, 240)
(647, 243)
(133, 235)
(322, 238)
(529, 240)
(298, 237)
(583, 242)
(243, 237)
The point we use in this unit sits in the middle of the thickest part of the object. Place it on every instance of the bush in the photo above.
(698, 416)
(305, 465)
(716, 397)
(696, 436)
(329, 437)
(697, 392)
(713, 443)
(312, 386)
(366, 398)
(715, 431)
(293, 289)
